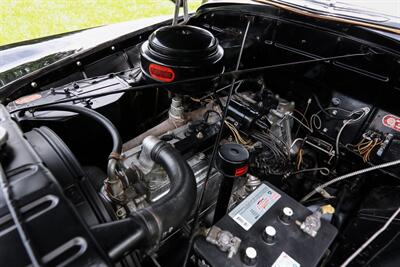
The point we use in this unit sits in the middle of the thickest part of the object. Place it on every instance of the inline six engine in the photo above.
(228, 148)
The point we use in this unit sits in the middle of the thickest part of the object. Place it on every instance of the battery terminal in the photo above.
(312, 223)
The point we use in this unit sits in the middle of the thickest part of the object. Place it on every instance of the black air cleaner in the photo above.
(181, 52)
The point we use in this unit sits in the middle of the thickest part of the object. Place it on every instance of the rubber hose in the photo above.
(102, 120)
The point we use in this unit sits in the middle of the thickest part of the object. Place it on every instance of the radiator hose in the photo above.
(168, 213)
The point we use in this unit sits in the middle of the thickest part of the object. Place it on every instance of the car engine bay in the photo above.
(245, 137)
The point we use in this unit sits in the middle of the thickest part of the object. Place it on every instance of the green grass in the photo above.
(29, 19)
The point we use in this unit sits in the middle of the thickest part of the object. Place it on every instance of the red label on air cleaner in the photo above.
(392, 122)
(241, 171)
(161, 73)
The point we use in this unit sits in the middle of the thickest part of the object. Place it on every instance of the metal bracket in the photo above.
(185, 11)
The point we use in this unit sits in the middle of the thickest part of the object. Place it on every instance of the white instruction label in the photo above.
(284, 260)
(250, 210)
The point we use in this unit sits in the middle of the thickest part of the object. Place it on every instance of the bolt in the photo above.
(325, 130)
(121, 213)
(202, 156)
(334, 112)
(335, 101)
(78, 63)
(33, 84)
(199, 135)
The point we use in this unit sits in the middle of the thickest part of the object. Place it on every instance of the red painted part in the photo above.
(392, 122)
(241, 171)
(27, 99)
(161, 73)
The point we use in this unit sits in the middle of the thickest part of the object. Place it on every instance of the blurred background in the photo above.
(29, 19)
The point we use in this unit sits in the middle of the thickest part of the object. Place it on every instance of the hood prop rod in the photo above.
(178, 4)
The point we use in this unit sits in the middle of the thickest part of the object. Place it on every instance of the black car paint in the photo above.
(25, 61)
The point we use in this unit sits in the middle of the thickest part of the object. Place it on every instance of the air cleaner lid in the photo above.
(183, 41)
(181, 52)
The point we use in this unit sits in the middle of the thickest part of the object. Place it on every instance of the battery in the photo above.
(265, 222)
